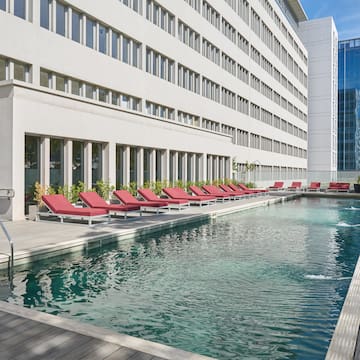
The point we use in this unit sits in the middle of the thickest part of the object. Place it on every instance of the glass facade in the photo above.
(78, 162)
(349, 105)
(56, 163)
(96, 163)
(31, 166)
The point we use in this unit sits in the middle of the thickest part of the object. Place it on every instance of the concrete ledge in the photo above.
(155, 349)
(343, 342)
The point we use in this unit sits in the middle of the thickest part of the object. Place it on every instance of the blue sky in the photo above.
(346, 14)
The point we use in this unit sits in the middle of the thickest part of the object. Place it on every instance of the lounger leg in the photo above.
(90, 221)
(61, 219)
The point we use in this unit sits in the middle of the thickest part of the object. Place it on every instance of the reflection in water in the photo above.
(265, 284)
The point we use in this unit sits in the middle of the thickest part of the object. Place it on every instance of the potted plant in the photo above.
(357, 185)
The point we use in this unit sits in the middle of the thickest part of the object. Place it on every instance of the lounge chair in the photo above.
(314, 186)
(148, 195)
(295, 185)
(278, 185)
(59, 206)
(228, 190)
(178, 193)
(338, 187)
(198, 192)
(127, 199)
(245, 188)
(214, 190)
(95, 201)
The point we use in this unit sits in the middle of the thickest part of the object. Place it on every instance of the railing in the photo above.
(8, 194)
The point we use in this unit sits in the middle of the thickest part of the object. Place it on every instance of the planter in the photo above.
(33, 210)
(357, 188)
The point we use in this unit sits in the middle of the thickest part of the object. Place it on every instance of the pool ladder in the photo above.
(8, 194)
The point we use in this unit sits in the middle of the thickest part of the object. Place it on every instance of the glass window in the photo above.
(75, 87)
(119, 166)
(125, 50)
(158, 165)
(44, 14)
(115, 98)
(60, 83)
(60, 19)
(147, 164)
(56, 162)
(125, 101)
(102, 39)
(19, 71)
(31, 165)
(20, 8)
(76, 26)
(135, 57)
(77, 162)
(3, 5)
(2, 69)
(90, 26)
(133, 164)
(96, 163)
(115, 45)
(44, 78)
(90, 90)
(103, 95)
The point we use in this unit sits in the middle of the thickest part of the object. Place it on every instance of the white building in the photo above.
(321, 40)
(139, 90)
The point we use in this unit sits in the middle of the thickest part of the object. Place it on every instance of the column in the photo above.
(53, 16)
(152, 165)
(184, 167)
(45, 161)
(11, 6)
(210, 168)
(109, 163)
(83, 30)
(88, 165)
(29, 8)
(68, 156)
(176, 165)
(126, 165)
(192, 158)
(203, 167)
(165, 168)
(140, 166)
(227, 168)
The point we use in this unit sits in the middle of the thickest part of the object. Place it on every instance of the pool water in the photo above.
(268, 283)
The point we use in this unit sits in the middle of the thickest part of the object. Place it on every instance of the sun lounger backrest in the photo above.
(225, 188)
(148, 195)
(212, 189)
(314, 185)
(92, 199)
(125, 196)
(243, 187)
(57, 202)
(233, 187)
(296, 184)
(279, 184)
(196, 190)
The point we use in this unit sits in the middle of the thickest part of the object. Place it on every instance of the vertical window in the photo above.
(158, 165)
(77, 162)
(133, 164)
(89, 92)
(125, 101)
(90, 26)
(76, 26)
(135, 57)
(44, 78)
(96, 163)
(119, 166)
(19, 71)
(103, 95)
(2, 69)
(56, 162)
(3, 5)
(60, 83)
(75, 87)
(102, 39)
(115, 45)
(20, 8)
(115, 98)
(147, 162)
(125, 50)
(44, 14)
(31, 165)
(60, 19)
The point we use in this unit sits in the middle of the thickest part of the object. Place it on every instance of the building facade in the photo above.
(321, 40)
(138, 91)
(349, 105)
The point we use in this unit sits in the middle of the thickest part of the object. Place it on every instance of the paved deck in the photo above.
(27, 334)
(40, 239)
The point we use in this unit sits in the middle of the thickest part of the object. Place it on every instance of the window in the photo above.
(3, 5)
(60, 83)
(77, 162)
(159, 65)
(75, 87)
(20, 71)
(76, 26)
(102, 39)
(31, 164)
(189, 36)
(103, 95)
(3, 68)
(96, 163)
(115, 45)
(90, 28)
(20, 8)
(211, 52)
(44, 14)
(60, 19)
(89, 91)
(56, 162)
(125, 50)
(159, 16)
(44, 78)
(188, 79)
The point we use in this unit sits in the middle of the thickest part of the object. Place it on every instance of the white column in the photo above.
(193, 167)
(68, 23)
(11, 70)
(203, 167)
(109, 168)
(83, 30)
(68, 152)
(126, 165)
(53, 16)
(176, 165)
(221, 167)
(165, 168)
(140, 166)
(152, 165)
(96, 36)
(45, 161)
(11, 6)
(88, 165)
(109, 42)
(29, 11)
(184, 167)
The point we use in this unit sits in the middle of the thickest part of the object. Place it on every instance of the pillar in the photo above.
(152, 165)
(203, 167)
(165, 168)
(68, 162)
(126, 165)
(45, 161)
(109, 163)
(88, 165)
(140, 166)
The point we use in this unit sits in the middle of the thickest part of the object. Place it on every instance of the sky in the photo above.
(346, 14)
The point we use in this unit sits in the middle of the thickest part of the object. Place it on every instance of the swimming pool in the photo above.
(268, 283)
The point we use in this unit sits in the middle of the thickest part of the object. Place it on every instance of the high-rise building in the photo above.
(320, 37)
(144, 90)
(349, 105)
